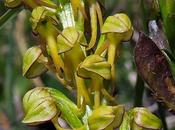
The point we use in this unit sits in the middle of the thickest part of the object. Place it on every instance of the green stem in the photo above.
(97, 100)
(99, 14)
(97, 83)
(161, 111)
(8, 84)
(113, 46)
(93, 17)
(82, 91)
(9, 14)
(139, 89)
(144, 16)
(59, 64)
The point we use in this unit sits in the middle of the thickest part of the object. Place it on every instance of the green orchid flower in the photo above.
(43, 104)
(33, 62)
(140, 118)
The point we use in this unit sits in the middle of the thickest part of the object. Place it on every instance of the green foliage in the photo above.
(167, 8)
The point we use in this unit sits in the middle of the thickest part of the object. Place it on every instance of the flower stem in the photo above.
(99, 14)
(93, 17)
(82, 91)
(97, 83)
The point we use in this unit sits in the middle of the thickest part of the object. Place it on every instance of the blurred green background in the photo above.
(16, 36)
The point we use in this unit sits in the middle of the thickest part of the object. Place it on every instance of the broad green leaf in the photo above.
(39, 106)
(144, 118)
(68, 109)
(101, 118)
(59, 96)
(32, 67)
(94, 64)
(84, 127)
(12, 3)
(65, 13)
(119, 24)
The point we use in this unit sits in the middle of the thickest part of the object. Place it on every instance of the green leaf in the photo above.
(94, 64)
(9, 14)
(68, 109)
(119, 24)
(32, 65)
(65, 13)
(39, 106)
(167, 8)
(59, 96)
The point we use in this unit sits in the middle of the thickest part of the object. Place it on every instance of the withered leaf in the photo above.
(157, 35)
(154, 69)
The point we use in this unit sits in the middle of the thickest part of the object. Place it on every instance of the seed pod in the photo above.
(32, 62)
(12, 3)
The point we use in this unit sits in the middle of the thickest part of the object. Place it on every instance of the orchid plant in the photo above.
(81, 61)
